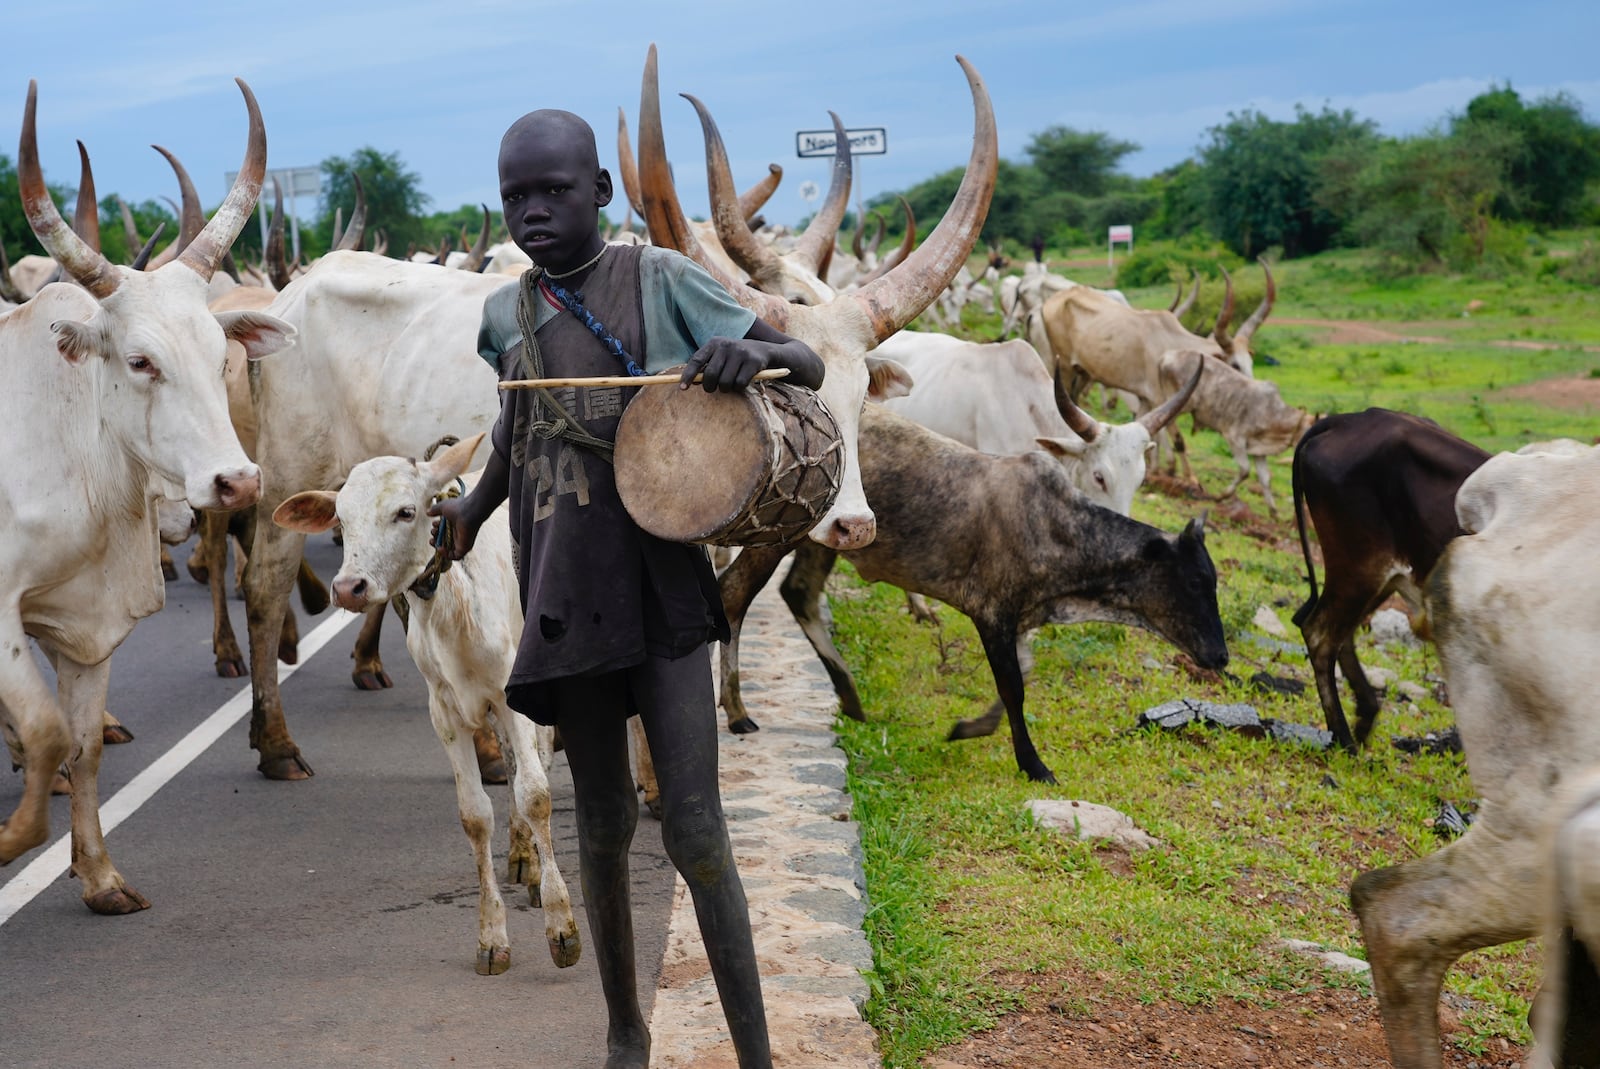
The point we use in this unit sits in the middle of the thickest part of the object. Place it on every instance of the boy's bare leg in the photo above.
(678, 710)
(594, 729)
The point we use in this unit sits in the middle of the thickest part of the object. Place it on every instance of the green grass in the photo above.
(975, 911)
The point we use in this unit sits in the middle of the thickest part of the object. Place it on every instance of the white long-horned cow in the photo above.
(116, 398)
(843, 330)
(386, 366)
(998, 398)
(1511, 606)
(465, 623)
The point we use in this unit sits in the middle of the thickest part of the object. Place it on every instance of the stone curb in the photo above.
(799, 855)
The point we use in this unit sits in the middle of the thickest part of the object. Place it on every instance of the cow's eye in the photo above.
(142, 364)
(406, 515)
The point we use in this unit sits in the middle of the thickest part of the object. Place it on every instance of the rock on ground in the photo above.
(1087, 820)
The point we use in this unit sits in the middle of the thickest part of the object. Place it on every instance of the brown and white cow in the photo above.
(115, 395)
(1379, 488)
(1512, 608)
(1008, 542)
(464, 627)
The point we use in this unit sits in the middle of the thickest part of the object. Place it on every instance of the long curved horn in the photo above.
(1178, 299)
(1264, 309)
(908, 241)
(664, 215)
(626, 164)
(444, 251)
(856, 249)
(205, 252)
(142, 260)
(815, 246)
(8, 289)
(1083, 425)
(380, 244)
(91, 270)
(1220, 331)
(1188, 302)
(191, 219)
(898, 297)
(338, 227)
(277, 268)
(727, 213)
(752, 199)
(480, 248)
(357, 230)
(130, 232)
(86, 213)
(1168, 410)
(877, 238)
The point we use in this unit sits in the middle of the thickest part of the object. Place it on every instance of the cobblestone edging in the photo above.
(799, 855)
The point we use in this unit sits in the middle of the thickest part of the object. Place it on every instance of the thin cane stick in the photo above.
(623, 380)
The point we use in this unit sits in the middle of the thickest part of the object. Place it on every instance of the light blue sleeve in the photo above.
(684, 307)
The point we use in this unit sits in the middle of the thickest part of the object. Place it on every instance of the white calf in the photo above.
(464, 638)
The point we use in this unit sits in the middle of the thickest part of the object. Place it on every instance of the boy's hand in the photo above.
(728, 364)
(463, 531)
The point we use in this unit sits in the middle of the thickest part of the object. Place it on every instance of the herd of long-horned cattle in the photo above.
(180, 386)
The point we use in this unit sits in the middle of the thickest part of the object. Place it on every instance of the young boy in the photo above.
(617, 621)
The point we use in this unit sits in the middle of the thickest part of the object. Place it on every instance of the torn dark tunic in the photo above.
(598, 593)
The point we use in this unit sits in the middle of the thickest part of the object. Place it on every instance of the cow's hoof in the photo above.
(232, 667)
(61, 784)
(315, 600)
(373, 680)
(289, 652)
(197, 571)
(565, 949)
(169, 571)
(745, 725)
(114, 735)
(654, 807)
(1042, 775)
(290, 767)
(492, 961)
(493, 772)
(117, 902)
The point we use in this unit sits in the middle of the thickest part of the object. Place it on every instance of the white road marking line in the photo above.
(45, 869)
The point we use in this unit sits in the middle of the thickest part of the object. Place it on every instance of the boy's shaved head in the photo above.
(560, 134)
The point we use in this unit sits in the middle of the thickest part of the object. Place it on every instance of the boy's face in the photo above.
(552, 190)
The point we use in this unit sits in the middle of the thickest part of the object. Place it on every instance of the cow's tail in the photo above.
(1298, 482)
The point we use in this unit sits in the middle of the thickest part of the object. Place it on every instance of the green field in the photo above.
(975, 912)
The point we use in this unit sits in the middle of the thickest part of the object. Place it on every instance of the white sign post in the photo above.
(1117, 234)
(296, 182)
(867, 141)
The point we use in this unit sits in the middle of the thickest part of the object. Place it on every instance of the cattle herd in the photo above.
(283, 399)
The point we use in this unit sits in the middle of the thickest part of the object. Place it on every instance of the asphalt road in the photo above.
(330, 922)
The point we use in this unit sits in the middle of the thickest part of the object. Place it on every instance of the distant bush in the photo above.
(1582, 267)
(1164, 264)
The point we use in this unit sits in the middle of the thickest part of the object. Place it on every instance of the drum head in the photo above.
(688, 462)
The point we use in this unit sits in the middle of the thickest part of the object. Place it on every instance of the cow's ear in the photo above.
(74, 340)
(1065, 448)
(1196, 528)
(453, 461)
(886, 379)
(309, 512)
(260, 334)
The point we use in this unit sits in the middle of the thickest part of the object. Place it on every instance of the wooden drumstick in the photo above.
(624, 380)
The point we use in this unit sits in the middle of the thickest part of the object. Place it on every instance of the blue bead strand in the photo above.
(573, 302)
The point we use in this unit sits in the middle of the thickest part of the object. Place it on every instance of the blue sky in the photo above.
(439, 82)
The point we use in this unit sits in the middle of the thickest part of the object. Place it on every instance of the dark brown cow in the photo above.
(1008, 542)
(1380, 487)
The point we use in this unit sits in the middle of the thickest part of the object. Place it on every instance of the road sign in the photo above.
(296, 182)
(868, 141)
(1122, 233)
(809, 190)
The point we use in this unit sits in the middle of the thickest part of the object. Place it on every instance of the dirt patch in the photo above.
(1579, 394)
(1352, 332)
(1326, 1027)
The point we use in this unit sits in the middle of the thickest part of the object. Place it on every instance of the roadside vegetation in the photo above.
(976, 913)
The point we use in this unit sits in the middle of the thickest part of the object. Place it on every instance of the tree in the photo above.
(1555, 157)
(395, 201)
(14, 228)
(1079, 161)
(1424, 199)
(1260, 176)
